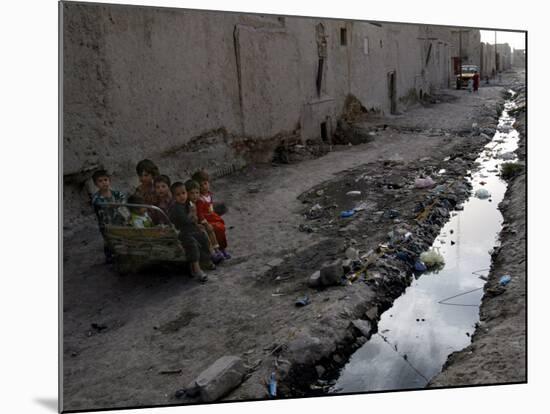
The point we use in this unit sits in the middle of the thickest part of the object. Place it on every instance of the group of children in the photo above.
(188, 205)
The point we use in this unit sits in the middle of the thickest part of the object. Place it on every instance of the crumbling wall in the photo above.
(198, 89)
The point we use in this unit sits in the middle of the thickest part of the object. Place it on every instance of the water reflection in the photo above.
(417, 334)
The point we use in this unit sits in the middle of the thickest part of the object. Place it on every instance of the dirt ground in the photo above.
(155, 332)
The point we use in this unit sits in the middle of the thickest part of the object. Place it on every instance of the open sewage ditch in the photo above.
(421, 317)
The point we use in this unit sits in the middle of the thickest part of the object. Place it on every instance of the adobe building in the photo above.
(465, 47)
(219, 90)
(518, 58)
(487, 60)
(504, 57)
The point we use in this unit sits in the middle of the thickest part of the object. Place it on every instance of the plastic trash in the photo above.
(272, 387)
(424, 183)
(347, 213)
(353, 193)
(482, 194)
(303, 301)
(391, 214)
(419, 266)
(504, 280)
(432, 258)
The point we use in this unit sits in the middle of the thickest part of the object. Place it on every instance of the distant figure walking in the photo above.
(476, 81)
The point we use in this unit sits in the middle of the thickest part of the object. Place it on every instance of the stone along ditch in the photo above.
(438, 312)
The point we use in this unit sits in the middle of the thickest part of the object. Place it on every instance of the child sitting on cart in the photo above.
(194, 240)
(193, 194)
(205, 210)
(146, 171)
(105, 215)
(163, 199)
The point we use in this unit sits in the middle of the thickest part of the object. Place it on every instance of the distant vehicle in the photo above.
(467, 74)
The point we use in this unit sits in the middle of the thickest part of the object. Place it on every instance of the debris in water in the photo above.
(272, 387)
(504, 280)
(303, 301)
(482, 194)
(347, 213)
(432, 258)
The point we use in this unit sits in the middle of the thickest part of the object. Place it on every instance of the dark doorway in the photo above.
(324, 132)
(392, 89)
(343, 36)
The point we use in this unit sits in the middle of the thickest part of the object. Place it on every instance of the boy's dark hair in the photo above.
(98, 174)
(176, 185)
(162, 179)
(192, 185)
(147, 166)
(200, 176)
(135, 199)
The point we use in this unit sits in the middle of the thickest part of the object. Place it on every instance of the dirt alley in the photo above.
(162, 329)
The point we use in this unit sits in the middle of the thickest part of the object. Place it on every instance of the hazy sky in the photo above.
(514, 39)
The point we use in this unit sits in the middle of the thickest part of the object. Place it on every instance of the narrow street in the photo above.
(160, 330)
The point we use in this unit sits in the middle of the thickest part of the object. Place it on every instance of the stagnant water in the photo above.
(437, 314)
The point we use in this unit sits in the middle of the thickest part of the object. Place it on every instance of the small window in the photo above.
(343, 36)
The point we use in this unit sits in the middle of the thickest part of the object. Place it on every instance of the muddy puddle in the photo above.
(438, 312)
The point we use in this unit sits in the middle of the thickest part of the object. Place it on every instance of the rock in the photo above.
(337, 358)
(218, 379)
(331, 273)
(275, 262)
(304, 349)
(320, 370)
(352, 254)
(372, 313)
(314, 280)
(363, 326)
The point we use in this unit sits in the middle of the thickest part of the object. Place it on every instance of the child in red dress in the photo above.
(205, 211)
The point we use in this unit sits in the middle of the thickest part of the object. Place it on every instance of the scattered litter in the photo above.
(304, 228)
(315, 212)
(421, 183)
(181, 393)
(442, 171)
(347, 213)
(482, 194)
(444, 301)
(272, 387)
(504, 280)
(419, 266)
(432, 258)
(353, 193)
(391, 214)
(446, 158)
(303, 301)
(319, 192)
